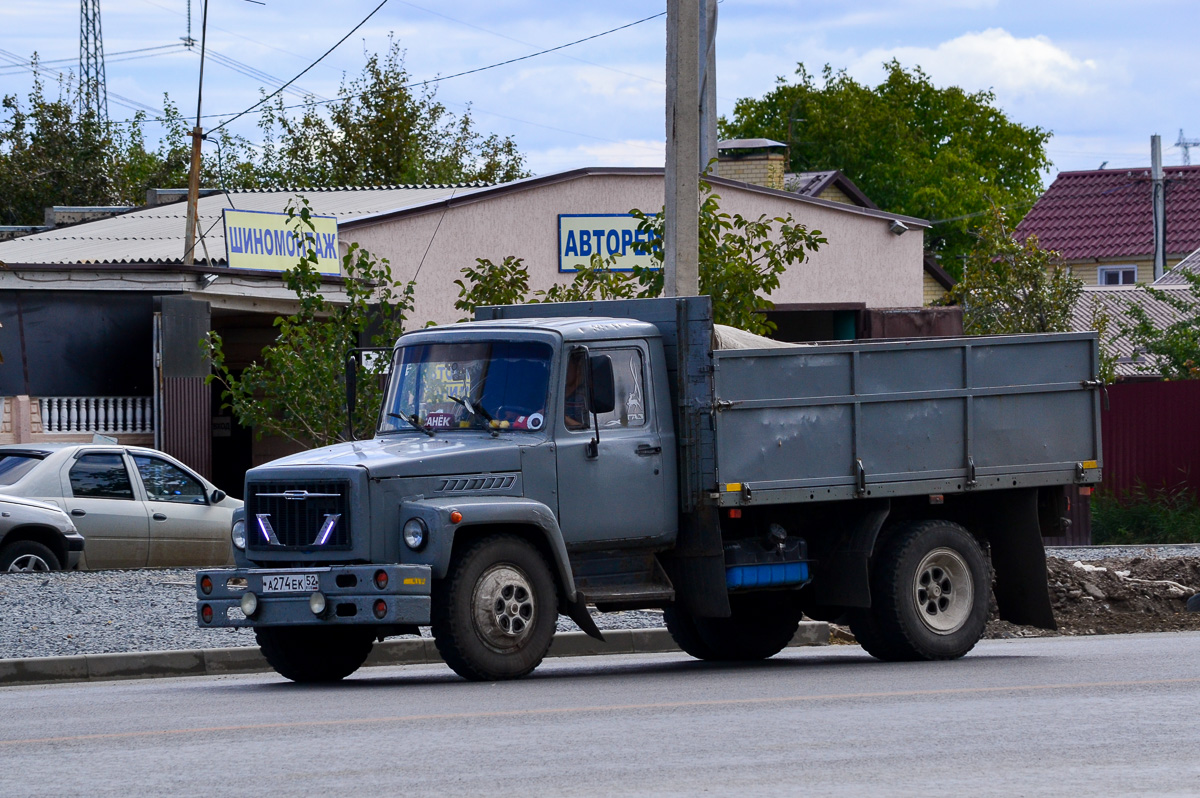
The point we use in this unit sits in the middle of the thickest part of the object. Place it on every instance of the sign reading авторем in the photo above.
(582, 235)
(271, 242)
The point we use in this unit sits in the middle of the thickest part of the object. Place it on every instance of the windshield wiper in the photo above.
(416, 422)
(478, 412)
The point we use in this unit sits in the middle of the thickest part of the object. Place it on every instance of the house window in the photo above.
(1117, 275)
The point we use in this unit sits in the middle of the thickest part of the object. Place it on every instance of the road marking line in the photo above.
(508, 713)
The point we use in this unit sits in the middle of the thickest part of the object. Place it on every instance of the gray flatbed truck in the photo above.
(547, 458)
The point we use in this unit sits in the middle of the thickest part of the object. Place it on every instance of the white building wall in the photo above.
(863, 261)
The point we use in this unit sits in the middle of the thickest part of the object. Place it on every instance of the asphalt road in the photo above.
(1114, 715)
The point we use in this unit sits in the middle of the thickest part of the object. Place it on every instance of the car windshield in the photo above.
(15, 466)
(494, 385)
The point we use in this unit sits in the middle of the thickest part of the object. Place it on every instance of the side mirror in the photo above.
(217, 496)
(603, 394)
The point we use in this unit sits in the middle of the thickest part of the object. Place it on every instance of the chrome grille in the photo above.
(298, 514)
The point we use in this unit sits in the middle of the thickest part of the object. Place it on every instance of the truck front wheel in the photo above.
(495, 613)
(929, 590)
(760, 626)
(314, 654)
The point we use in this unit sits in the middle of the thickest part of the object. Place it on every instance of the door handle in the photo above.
(160, 517)
(645, 450)
(79, 512)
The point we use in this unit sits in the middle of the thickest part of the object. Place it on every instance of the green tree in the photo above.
(1011, 286)
(295, 390)
(913, 148)
(741, 261)
(1172, 350)
(381, 131)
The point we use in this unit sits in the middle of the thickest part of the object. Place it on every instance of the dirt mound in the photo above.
(1116, 596)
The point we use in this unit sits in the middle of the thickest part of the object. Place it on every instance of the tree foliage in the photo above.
(913, 148)
(381, 131)
(1011, 286)
(741, 261)
(294, 391)
(1172, 350)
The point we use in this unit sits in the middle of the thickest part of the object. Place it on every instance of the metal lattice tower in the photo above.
(1185, 145)
(93, 96)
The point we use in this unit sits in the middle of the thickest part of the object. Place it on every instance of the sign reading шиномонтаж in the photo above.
(582, 235)
(270, 242)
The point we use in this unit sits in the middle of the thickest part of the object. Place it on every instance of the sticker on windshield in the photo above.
(534, 421)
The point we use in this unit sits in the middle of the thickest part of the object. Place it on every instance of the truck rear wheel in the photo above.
(495, 613)
(929, 589)
(314, 654)
(760, 626)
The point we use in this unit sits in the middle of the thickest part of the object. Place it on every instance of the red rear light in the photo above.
(206, 613)
(381, 580)
(206, 585)
(380, 608)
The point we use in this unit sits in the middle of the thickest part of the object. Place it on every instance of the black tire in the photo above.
(929, 590)
(314, 654)
(28, 555)
(495, 613)
(760, 626)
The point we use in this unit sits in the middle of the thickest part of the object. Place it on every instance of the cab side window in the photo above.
(629, 385)
(101, 476)
(168, 483)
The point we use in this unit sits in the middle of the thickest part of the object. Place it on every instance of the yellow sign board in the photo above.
(271, 242)
(614, 235)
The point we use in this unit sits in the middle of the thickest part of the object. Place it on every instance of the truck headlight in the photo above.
(416, 534)
(238, 534)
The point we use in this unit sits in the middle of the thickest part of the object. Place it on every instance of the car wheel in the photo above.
(495, 613)
(28, 555)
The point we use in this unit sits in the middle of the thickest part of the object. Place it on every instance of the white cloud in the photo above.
(994, 58)
(625, 153)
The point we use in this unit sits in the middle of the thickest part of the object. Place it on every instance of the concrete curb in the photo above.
(221, 661)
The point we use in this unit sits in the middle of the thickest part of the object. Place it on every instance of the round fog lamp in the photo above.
(249, 604)
(238, 533)
(316, 603)
(415, 534)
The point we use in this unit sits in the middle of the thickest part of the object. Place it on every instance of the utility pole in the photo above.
(189, 240)
(708, 83)
(93, 95)
(1159, 206)
(1186, 145)
(681, 227)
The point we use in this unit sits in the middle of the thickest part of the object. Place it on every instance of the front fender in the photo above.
(483, 511)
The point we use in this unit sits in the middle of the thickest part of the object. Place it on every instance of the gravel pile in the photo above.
(59, 614)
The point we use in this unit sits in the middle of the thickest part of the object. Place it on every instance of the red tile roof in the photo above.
(1106, 214)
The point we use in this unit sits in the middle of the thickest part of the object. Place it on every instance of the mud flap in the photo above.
(1009, 519)
(696, 565)
(577, 611)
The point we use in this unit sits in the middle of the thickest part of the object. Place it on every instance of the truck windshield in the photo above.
(497, 385)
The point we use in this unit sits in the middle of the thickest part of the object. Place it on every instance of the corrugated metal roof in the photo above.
(1175, 277)
(155, 235)
(1107, 213)
(1115, 301)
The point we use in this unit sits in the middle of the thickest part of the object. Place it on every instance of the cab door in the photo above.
(619, 494)
(99, 496)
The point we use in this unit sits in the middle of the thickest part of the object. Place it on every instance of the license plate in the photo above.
(290, 583)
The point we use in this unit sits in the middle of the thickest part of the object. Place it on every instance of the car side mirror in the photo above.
(603, 394)
(217, 496)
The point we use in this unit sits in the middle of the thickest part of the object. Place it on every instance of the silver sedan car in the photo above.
(35, 536)
(135, 507)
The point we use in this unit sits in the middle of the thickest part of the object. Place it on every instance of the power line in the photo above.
(108, 57)
(134, 105)
(301, 73)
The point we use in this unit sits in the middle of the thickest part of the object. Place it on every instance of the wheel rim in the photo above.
(28, 562)
(943, 591)
(504, 607)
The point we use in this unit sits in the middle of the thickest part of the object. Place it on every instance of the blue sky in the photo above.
(1103, 76)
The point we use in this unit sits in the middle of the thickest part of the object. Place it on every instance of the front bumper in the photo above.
(350, 595)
